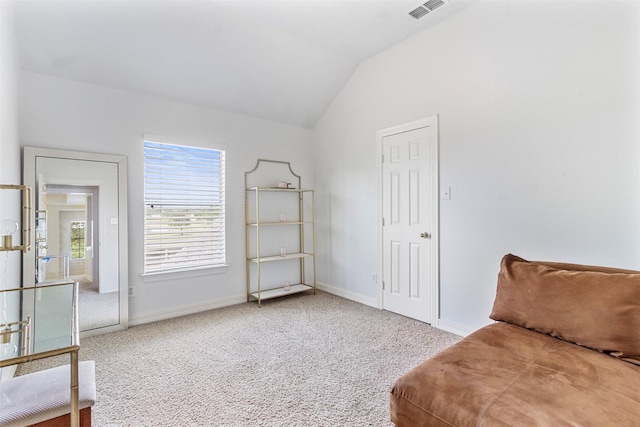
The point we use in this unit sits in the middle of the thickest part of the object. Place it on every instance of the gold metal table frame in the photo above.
(45, 327)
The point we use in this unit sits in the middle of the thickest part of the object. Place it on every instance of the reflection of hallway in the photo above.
(95, 310)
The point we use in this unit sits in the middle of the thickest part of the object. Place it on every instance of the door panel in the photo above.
(409, 195)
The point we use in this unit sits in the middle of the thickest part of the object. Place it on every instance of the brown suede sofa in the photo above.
(564, 351)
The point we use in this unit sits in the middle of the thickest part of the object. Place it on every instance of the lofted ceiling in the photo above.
(279, 60)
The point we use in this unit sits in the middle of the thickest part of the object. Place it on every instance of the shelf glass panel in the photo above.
(278, 292)
(253, 224)
(294, 190)
(280, 258)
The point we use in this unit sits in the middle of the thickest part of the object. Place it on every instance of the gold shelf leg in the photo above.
(75, 404)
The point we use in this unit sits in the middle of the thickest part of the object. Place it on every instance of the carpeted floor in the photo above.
(95, 310)
(303, 360)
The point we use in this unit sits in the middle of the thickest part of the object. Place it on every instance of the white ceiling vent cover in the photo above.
(418, 12)
(425, 8)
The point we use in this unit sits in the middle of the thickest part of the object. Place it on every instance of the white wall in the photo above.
(9, 140)
(539, 141)
(9, 158)
(62, 114)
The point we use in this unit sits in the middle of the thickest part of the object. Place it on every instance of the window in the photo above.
(184, 224)
(77, 239)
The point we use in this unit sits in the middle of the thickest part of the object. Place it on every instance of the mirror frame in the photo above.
(30, 155)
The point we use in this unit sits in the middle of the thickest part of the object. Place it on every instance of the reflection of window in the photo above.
(77, 239)
(184, 222)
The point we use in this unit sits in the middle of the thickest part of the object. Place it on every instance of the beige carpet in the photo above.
(303, 360)
(96, 310)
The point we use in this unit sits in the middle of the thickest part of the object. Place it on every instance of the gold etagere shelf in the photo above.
(29, 297)
(302, 226)
(6, 244)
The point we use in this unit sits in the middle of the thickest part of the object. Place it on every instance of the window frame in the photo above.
(182, 269)
(71, 240)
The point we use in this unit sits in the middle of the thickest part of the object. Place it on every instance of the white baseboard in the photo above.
(445, 325)
(186, 310)
(453, 327)
(239, 299)
(362, 299)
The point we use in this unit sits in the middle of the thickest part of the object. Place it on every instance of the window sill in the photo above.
(162, 276)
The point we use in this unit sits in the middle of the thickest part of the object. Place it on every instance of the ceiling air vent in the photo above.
(418, 12)
(425, 8)
(433, 4)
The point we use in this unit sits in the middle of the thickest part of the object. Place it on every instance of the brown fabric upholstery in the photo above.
(506, 375)
(595, 307)
(517, 373)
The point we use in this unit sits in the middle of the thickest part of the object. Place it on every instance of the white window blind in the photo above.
(184, 225)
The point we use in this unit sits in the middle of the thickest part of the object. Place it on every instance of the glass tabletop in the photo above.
(37, 320)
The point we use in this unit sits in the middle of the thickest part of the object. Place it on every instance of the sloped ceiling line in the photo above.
(279, 60)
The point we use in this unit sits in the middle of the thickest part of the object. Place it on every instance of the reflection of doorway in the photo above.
(72, 214)
(69, 206)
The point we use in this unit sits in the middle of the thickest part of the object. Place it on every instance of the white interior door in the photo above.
(410, 219)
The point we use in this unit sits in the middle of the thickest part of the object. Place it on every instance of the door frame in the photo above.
(94, 190)
(431, 121)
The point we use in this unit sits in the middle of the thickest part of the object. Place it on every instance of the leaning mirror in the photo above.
(80, 231)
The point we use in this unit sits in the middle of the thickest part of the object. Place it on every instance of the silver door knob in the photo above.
(424, 235)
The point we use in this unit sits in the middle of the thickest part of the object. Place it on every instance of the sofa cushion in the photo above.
(505, 375)
(595, 307)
